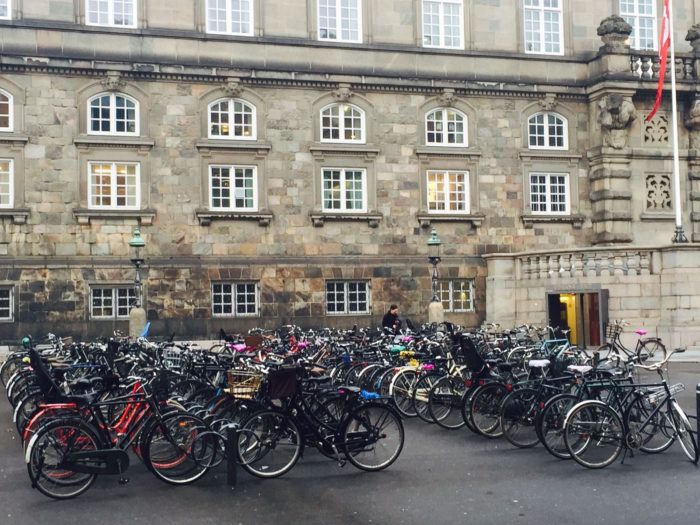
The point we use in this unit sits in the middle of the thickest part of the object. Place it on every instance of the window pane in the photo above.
(6, 183)
(5, 303)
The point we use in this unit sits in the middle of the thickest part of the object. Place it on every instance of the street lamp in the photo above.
(137, 315)
(436, 312)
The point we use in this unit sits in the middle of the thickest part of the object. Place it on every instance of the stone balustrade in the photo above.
(646, 66)
(590, 262)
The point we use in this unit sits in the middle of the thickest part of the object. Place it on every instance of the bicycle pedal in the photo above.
(342, 463)
(123, 481)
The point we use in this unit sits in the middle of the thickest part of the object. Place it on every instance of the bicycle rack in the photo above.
(696, 417)
(232, 454)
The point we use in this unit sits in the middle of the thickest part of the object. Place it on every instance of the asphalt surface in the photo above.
(441, 477)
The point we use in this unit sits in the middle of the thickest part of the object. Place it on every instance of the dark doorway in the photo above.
(584, 313)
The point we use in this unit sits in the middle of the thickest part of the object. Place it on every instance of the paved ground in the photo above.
(441, 477)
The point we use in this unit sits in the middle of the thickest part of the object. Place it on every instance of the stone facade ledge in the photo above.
(16, 141)
(84, 216)
(260, 149)
(372, 218)
(205, 217)
(549, 154)
(658, 216)
(18, 215)
(320, 151)
(428, 152)
(604, 195)
(102, 141)
(607, 215)
(576, 220)
(425, 219)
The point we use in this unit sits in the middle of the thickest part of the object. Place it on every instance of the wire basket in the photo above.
(612, 330)
(243, 384)
(659, 393)
(172, 359)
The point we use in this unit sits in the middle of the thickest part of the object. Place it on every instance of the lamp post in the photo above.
(436, 312)
(137, 315)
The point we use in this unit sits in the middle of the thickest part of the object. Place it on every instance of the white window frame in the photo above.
(10, 111)
(634, 17)
(114, 297)
(229, 4)
(11, 306)
(339, 20)
(444, 189)
(113, 186)
(232, 188)
(8, 7)
(231, 135)
(446, 292)
(548, 193)
(347, 304)
(341, 127)
(235, 289)
(113, 115)
(441, 23)
(445, 122)
(110, 14)
(343, 190)
(11, 184)
(540, 8)
(546, 132)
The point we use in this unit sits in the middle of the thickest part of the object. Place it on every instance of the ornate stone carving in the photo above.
(615, 33)
(615, 115)
(656, 131)
(658, 191)
(343, 93)
(693, 36)
(447, 97)
(548, 102)
(692, 122)
(113, 81)
(232, 87)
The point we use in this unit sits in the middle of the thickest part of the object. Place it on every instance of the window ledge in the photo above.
(84, 216)
(113, 141)
(260, 149)
(372, 218)
(321, 150)
(205, 217)
(529, 220)
(658, 216)
(428, 152)
(18, 215)
(425, 218)
(549, 154)
(16, 141)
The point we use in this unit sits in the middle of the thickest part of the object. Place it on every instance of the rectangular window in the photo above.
(549, 193)
(234, 299)
(347, 297)
(442, 23)
(6, 307)
(114, 185)
(5, 9)
(543, 27)
(111, 302)
(344, 190)
(118, 13)
(641, 15)
(448, 191)
(233, 188)
(339, 20)
(457, 295)
(232, 17)
(6, 183)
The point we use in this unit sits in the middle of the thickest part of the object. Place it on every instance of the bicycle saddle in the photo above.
(641, 331)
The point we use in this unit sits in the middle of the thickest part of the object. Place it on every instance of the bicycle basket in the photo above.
(172, 358)
(243, 384)
(612, 330)
(282, 383)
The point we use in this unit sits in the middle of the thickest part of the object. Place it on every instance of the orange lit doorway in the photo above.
(584, 313)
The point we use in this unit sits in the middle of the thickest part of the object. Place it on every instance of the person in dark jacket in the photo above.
(391, 319)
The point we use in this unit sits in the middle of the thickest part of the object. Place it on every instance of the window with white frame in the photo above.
(114, 185)
(344, 189)
(549, 193)
(339, 20)
(641, 15)
(446, 127)
(6, 304)
(113, 114)
(111, 302)
(448, 191)
(347, 297)
(543, 27)
(232, 119)
(457, 295)
(233, 188)
(5, 9)
(5, 111)
(230, 17)
(443, 23)
(342, 123)
(547, 131)
(118, 13)
(234, 299)
(6, 183)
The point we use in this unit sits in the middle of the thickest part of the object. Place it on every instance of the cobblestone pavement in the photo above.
(441, 477)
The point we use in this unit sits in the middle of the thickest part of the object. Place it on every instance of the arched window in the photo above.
(446, 127)
(232, 119)
(6, 123)
(113, 114)
(547, 131)
(342, 123)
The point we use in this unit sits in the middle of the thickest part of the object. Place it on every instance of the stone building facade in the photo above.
(286, 160)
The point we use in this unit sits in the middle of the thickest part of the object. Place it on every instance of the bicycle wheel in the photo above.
(465, 407)
(445, 401)
(594, 434)
(609, 353)
(269, 444)
(9, 367)
(654, 433)
(402, 391)
(684, 431)
(372, 437)
(180, 448)
(46, 454)
(25, 409)
(421, 396)
(652, 350)
(551, 424)
(517, 419)
(486, 409)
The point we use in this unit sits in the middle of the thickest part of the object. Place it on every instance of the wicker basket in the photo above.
(612, 330)
(243, 384)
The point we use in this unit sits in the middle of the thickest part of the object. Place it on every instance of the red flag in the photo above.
(664, 44)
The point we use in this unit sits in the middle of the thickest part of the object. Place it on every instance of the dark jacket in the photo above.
(391, 321)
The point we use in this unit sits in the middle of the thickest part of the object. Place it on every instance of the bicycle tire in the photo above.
(402, 391)
(485, 408)
(445, 401)
(684, 431)
(594, 434)
(651, 349)
(421, 396)
(269, 444)
(465, 407)
(657, 434)
(518, 415)
(372, 437)
(551, 424)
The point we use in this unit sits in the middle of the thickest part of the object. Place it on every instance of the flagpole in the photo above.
(678, 235)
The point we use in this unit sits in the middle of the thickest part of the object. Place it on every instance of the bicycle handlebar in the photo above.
(657, 366)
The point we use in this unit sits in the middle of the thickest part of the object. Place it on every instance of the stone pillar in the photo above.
(137, 321)
(501, 285)
(692, 122)
(680, 296)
